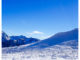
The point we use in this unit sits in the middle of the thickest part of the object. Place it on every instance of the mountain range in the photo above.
(59, 38)
(61, 46)
(11, 41)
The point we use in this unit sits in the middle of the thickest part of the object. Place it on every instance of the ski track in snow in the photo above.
(57, 52)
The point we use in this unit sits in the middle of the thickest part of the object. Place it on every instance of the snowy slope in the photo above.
(57, 52)
(57, 39)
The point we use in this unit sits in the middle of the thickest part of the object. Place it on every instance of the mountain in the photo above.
(10, 41)
(57, 39)
(21, 40)
(5, 37)
(61, 46)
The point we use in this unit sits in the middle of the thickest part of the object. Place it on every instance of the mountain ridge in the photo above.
(57, 39)
(11, 41)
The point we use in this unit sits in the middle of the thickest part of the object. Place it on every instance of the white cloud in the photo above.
(34, 32)
(37, 32)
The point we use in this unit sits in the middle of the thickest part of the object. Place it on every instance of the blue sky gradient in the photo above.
(39, 18)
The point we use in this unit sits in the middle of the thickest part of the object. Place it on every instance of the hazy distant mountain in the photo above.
(58, 38)
(8, 41)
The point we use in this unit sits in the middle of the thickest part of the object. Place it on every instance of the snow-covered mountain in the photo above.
(8, 41)
(57, 39)
(5, 37)
(61, 46)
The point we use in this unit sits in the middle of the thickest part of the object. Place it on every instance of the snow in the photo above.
(57, 52)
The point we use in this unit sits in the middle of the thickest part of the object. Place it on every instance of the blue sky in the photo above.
(39, 18)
